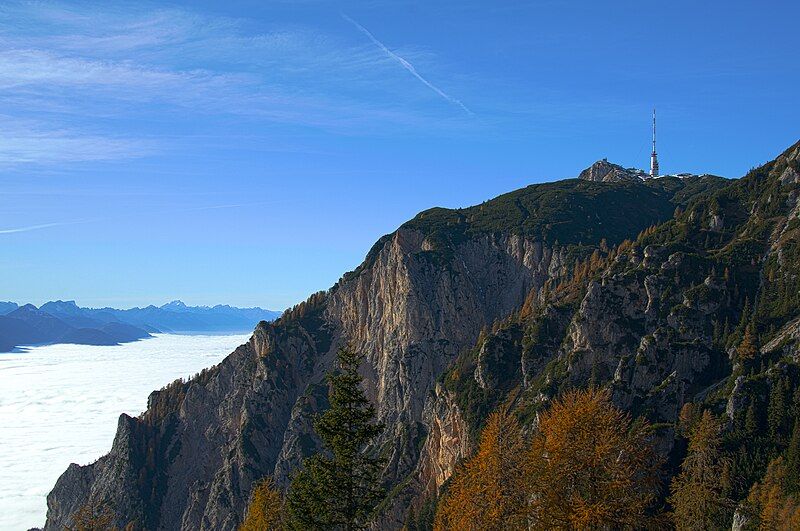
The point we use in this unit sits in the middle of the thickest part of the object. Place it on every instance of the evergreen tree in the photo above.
(796, 402)
(776, 410)
(793, 461)
(339, 487)
(752, 422)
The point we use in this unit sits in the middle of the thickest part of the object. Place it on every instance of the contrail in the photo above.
(38, 227)
(190, 209)
(408, 66)
(234, 205)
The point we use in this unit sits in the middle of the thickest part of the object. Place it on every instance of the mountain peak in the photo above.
(174, 305)
(61, 304)
(608, 172)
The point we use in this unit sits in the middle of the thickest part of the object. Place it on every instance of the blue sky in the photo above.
(250, 152)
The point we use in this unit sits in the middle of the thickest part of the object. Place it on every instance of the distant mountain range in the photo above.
(66, 322)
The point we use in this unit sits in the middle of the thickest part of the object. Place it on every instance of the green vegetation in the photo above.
(570, 212)
(339, 487)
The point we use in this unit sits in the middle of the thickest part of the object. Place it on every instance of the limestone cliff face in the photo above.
(193, 467)
(190, 461)
(654, 347)
(411, 316)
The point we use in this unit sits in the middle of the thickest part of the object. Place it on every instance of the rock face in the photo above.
(603, 171)
(416, 308)
(248, 417)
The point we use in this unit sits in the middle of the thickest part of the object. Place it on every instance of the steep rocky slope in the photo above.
(457, 311)
(659, 320)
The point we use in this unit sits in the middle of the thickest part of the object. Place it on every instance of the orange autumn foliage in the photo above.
(488, 492)
(265, 511)
(589, 467)
(772, 507)
(586, 467)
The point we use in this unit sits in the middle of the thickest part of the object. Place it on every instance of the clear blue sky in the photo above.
(249, 152)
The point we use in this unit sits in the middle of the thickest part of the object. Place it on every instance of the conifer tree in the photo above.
(90, 518)
(776, 410)
(339, 487)
(698, 498)
(773, 508)
(590, 467)
(489, 490)
(752, 423)
(265, 512)
(747, 349)
(793, 461)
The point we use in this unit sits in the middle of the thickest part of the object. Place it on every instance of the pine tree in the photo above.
(752, 422)
(340, 487)
(793, 461)
(776, 410)
(697, 496)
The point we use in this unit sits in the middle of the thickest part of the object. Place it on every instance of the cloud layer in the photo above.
(83, 83)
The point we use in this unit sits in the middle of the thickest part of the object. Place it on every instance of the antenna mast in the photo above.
(653, 156)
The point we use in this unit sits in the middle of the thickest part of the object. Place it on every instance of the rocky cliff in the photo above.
(550, 286)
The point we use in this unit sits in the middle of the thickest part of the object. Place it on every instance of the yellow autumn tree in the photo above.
(89, 518)
(589, 467)
(747, 349)
(698, 498)
(265, 512)
(773, 509)
(489, 491)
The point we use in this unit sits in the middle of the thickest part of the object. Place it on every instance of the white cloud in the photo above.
(81, 73)
(24, 142)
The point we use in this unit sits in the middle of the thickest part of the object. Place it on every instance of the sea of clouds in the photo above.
(59, 404)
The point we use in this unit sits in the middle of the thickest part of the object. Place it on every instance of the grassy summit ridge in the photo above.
(571, 211)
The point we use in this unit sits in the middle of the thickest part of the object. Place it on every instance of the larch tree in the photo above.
(489, 491)
(748, 348)
(697, 494)
(89, 518)
(772, 508)
(265, 512)
(590, 467)
(339, 487)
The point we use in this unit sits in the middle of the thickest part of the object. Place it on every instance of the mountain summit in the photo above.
(608, 172)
